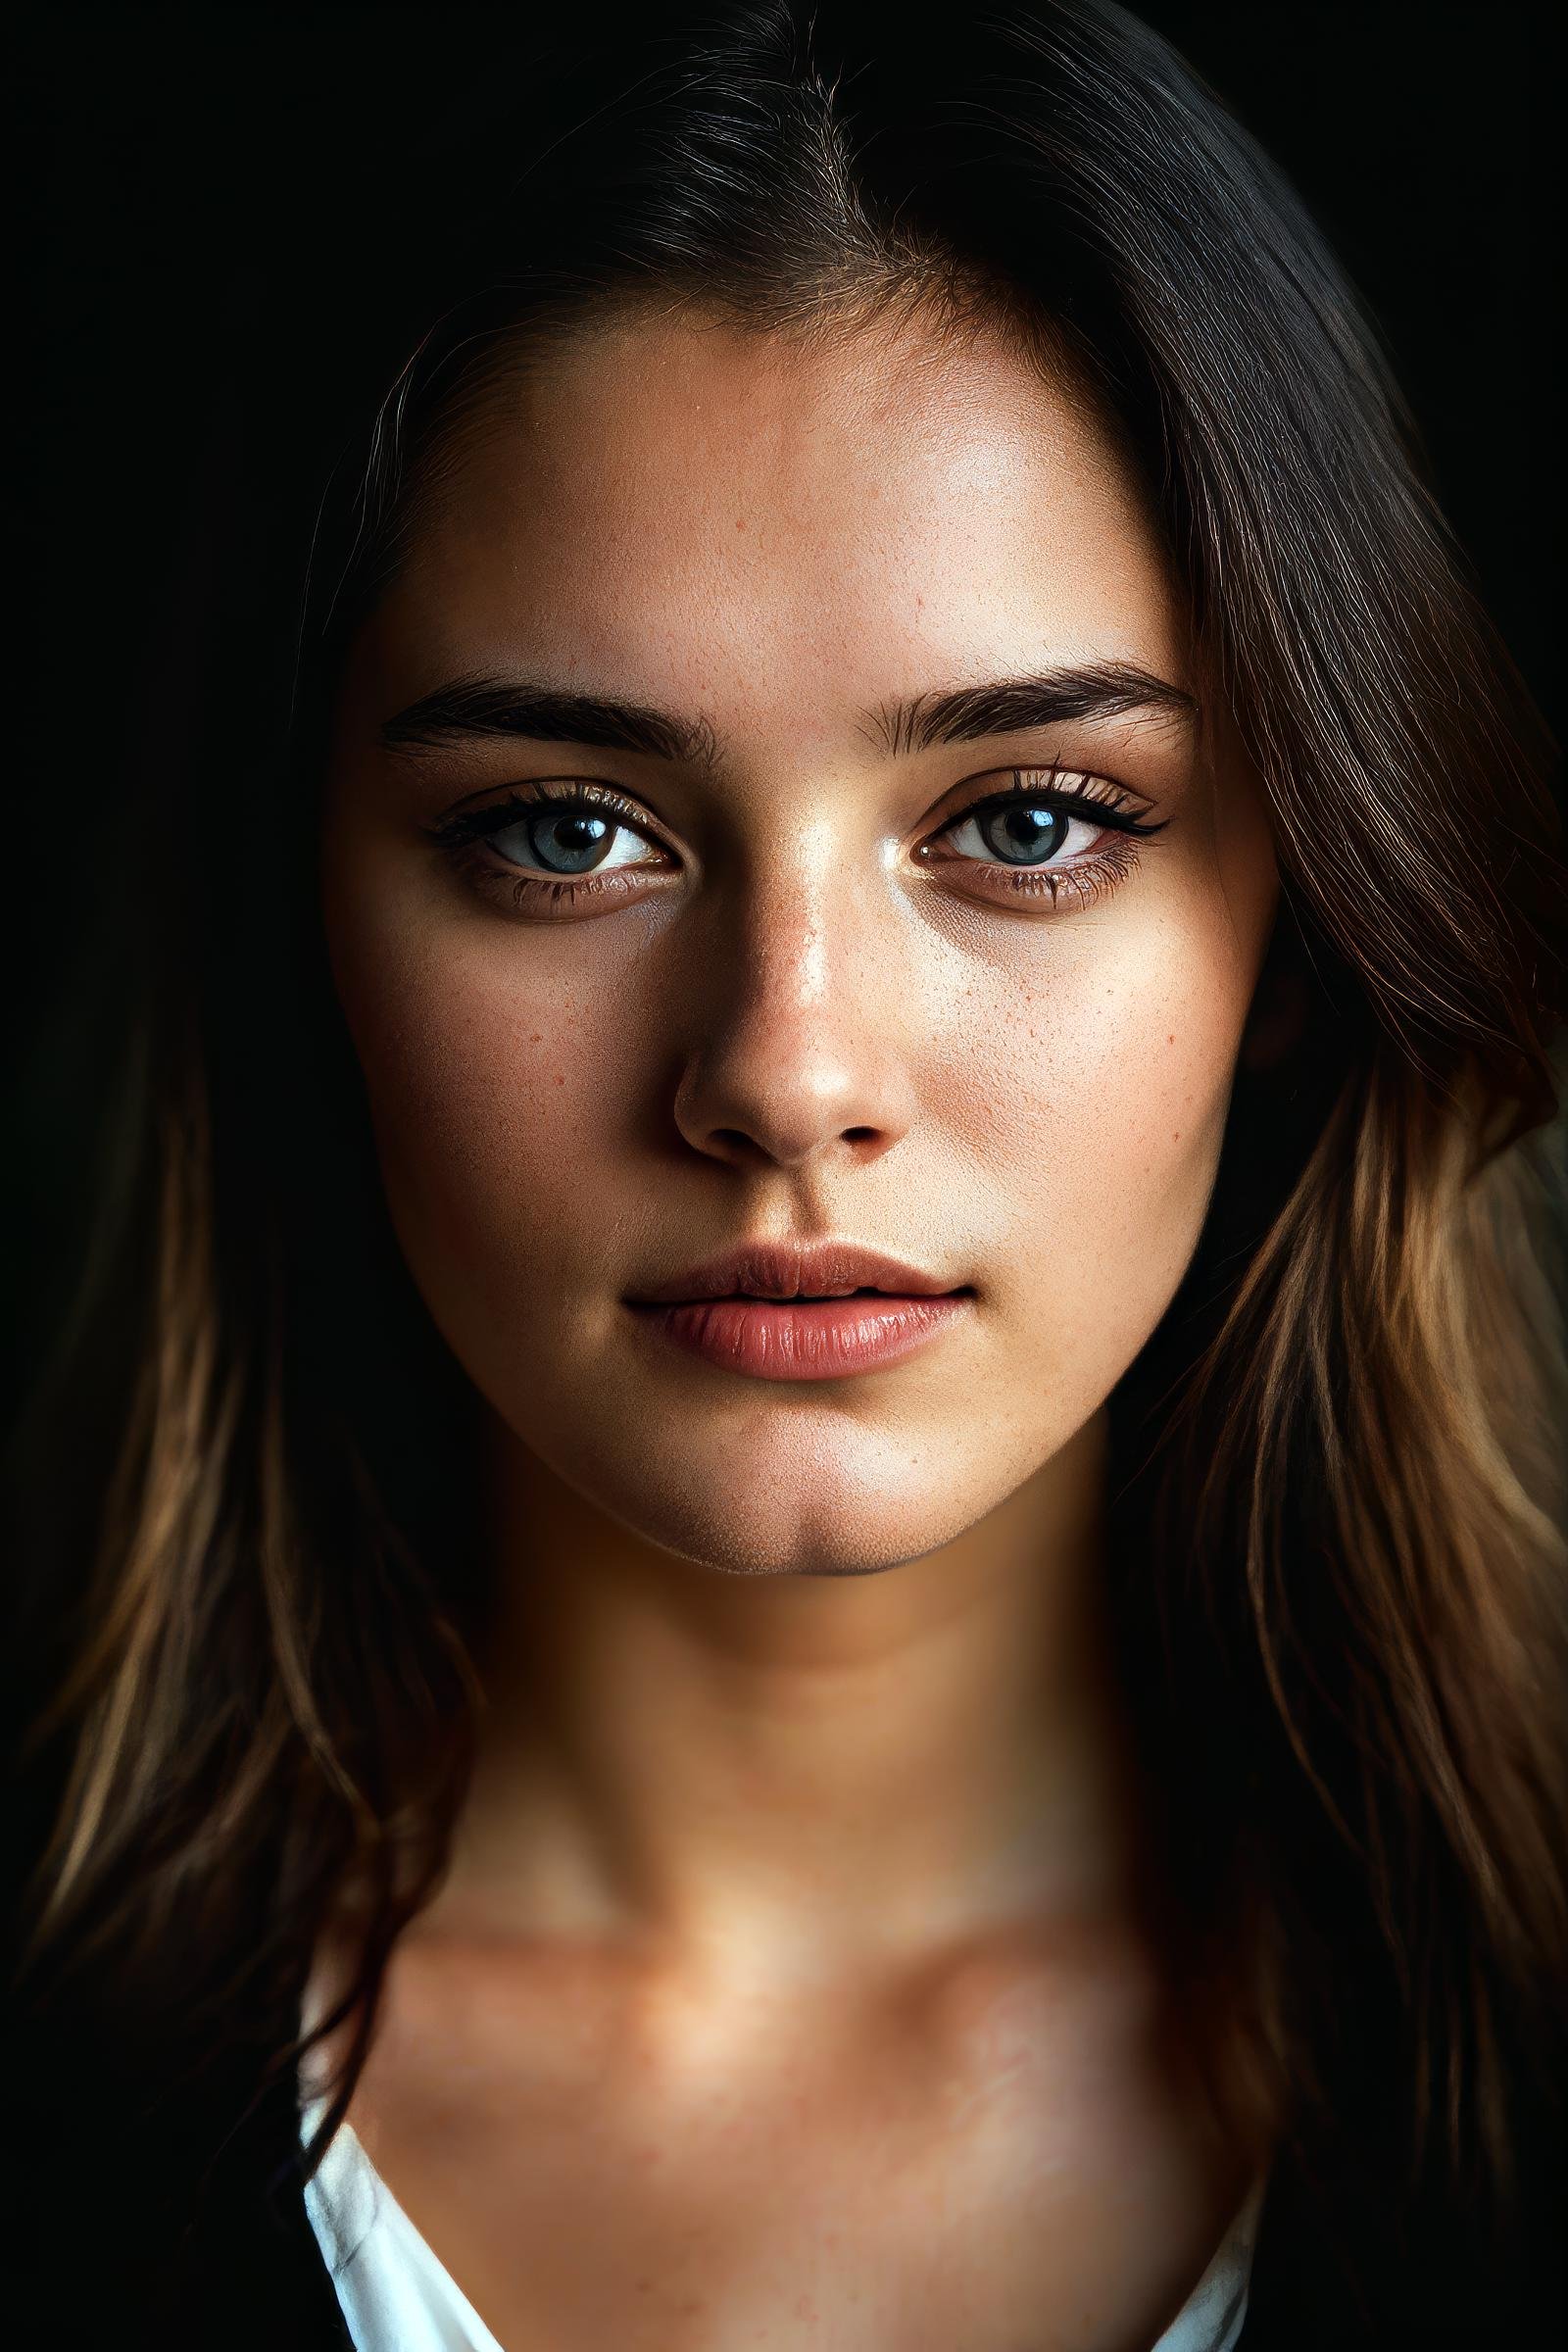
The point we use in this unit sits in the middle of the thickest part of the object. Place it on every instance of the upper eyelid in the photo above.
(469, 819)
(1057, 781)
(1059, 784)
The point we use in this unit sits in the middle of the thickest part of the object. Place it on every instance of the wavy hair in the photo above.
(1338, 1518)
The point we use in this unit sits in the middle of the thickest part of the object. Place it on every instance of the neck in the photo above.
(803, 1769)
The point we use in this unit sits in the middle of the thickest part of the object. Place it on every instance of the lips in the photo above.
(782, 1311)
(780, 1270)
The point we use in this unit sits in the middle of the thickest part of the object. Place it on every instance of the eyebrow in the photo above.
(483, 708)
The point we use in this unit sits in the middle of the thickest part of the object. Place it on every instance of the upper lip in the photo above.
(794, 1270)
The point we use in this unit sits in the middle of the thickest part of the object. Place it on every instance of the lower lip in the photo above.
(816, 1339)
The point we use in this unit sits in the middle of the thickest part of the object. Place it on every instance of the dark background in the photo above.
(175, 158)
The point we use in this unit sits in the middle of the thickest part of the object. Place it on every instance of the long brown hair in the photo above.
(1338, 1510)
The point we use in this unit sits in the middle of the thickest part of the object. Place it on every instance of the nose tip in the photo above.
(777, 1126)
(803, 1054)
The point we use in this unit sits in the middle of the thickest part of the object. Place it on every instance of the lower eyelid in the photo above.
(542, 892)
(1080, 879)
(1074, 880)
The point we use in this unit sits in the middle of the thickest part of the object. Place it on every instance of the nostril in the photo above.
(734, 1138)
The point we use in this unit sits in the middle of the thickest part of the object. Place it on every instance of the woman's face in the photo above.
(814, 980)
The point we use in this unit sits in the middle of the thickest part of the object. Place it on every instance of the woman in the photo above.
(829, 1599)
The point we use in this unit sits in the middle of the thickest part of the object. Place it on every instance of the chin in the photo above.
(797, 1499)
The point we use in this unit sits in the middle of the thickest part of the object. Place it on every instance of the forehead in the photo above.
(696, 511)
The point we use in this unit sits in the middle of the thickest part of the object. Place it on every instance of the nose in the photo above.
(798, 1051)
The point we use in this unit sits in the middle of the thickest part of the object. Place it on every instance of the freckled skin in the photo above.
(565, 1106)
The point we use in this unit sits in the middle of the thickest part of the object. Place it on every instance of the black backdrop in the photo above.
(172, 155)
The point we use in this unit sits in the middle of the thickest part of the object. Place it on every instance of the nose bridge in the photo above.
(797, 1046)
(806, 917)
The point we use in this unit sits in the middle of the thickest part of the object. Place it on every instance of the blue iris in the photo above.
(1022, 833)
(570, 842)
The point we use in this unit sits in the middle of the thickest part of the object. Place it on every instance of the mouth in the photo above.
(803, 1272)
(775, 1312)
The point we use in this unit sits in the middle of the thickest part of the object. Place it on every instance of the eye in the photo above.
(1020, 831)
(555, 848)
(1038, 815)
(1059, 837)
(573, 839)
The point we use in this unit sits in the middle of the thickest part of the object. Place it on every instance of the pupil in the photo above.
(571, 844)
(1023, 835)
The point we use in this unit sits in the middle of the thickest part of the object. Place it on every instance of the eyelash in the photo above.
(465, 836)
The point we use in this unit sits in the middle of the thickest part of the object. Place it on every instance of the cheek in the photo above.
(1104, 1105)
(494, 1081)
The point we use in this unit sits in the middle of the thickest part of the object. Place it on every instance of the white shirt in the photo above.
(396, 2297)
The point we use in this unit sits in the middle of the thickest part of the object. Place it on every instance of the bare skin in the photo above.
(790, 1984)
